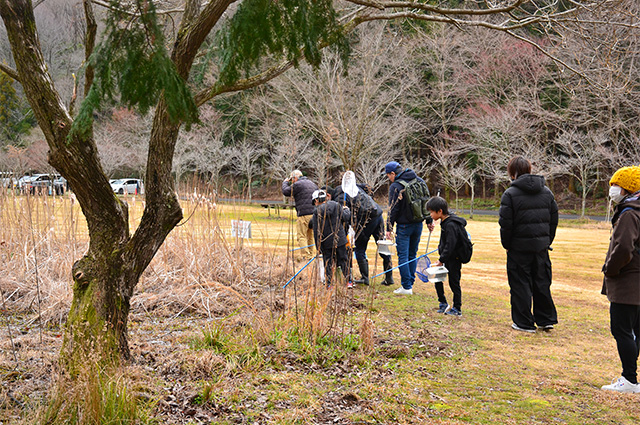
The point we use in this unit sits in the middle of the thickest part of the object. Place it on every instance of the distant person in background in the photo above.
(301, 189)
(621, 271)
(528, 222)
(327, 223)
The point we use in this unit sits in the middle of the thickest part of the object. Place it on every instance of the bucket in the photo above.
(437, 273)
(384, 246)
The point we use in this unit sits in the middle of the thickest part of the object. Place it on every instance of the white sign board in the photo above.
(241, 229)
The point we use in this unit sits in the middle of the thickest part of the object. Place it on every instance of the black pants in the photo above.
(625, 328)
(375, 228)
(455, 273)
(333, 257)
(529, 276)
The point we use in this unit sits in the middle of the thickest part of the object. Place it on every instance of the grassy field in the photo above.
(216, 339)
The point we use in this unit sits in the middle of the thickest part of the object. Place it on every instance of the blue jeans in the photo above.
(407, 240)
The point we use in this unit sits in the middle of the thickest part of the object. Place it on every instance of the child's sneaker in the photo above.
(622, 385)
(350, 285)
(442, 308)
(453, 312)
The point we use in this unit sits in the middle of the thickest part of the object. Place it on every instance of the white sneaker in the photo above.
(622, 385)
(518, 328)
(403, 291)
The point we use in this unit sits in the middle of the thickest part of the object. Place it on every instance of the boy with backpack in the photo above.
(454, 249)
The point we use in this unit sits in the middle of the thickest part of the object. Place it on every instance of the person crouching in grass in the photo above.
(331, 240)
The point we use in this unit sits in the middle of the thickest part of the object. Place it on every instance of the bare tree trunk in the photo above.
(473, 196)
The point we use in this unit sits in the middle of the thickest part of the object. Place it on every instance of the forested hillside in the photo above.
(452, 103)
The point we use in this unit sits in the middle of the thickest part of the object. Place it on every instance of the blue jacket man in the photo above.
(408, 231)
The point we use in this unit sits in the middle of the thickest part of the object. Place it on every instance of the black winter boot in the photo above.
(363, 265)
(386, 263)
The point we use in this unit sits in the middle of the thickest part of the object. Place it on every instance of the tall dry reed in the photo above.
(200, 270)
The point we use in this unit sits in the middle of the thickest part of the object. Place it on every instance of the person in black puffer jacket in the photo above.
(327, 223)
(528, 222)
(301, 188)
(366, 219)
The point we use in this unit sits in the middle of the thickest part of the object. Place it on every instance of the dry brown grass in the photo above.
(410, 364)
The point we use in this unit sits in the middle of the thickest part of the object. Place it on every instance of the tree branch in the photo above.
(382, 5)
(209, 93)
(108, 6)
(10, 72)
(89, 43)
(449, 20)
(187, 46)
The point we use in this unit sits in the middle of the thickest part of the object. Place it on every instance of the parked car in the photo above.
(23, 182)
(128, 186)
(45, 184)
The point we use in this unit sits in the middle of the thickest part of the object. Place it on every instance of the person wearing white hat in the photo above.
(328, 222)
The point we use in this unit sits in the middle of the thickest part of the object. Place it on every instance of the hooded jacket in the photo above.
(622, 265)
(399, 210)
(363, 207)
(328, 225)
(528, 215)
(452, 230)
(302, 191)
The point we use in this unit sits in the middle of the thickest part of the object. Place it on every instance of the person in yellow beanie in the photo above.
(621, 270)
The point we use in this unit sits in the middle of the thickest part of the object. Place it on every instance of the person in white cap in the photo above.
(331, 240)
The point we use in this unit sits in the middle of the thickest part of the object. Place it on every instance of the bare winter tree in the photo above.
(246, 161)
(132, 66)
(322, 164)
(362, 115)
(582, 157)
(201, 151)
(122, 141)
(445, 56)
(292, 150)
(453, 166)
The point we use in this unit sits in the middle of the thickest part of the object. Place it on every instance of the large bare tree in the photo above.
(260, 41)
(360, 117)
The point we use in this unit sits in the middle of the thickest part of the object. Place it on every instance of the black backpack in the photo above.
(416, 192)
(465, 250)
(365, 207)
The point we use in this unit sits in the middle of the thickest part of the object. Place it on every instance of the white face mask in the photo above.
(615, 193)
